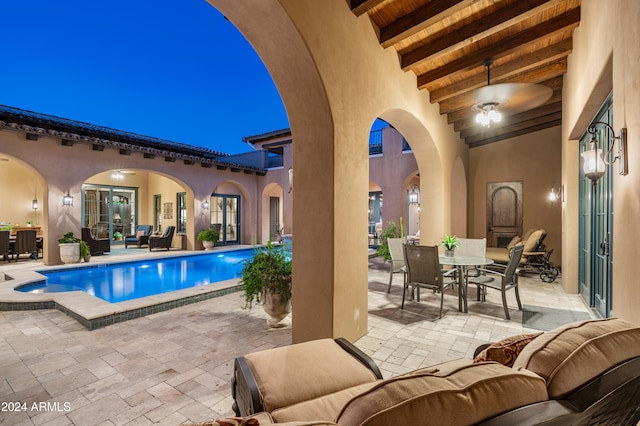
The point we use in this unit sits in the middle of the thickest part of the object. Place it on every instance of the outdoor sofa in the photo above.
(571, 375)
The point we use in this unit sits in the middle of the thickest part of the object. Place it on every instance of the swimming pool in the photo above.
(119, 282)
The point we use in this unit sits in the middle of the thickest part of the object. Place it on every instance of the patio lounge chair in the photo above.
(97, 246)
(140, 238)
(162, 241)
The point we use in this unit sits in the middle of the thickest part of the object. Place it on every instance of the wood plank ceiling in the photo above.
(446, 42)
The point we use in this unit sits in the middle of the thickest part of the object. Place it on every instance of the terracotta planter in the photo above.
(277, 310)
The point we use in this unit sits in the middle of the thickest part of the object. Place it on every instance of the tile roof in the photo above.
(38, 123)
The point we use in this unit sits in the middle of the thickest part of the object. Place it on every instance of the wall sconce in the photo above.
(413, 194)
(594, 160)
(205, 205)
(67, 200)
(34, 203)
(556, 194)
(290, 179)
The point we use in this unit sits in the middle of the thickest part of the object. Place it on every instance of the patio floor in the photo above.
(175, 366)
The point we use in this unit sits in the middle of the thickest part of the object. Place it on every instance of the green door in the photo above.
(596, 227)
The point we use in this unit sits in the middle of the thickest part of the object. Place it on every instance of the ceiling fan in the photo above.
(492, 101)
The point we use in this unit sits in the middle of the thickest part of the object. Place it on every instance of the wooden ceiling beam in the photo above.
(502, 73)
(421, 18)
(551, 74)
(468, 113)
(451, 39)
(469, 127)
(561, 23)
(360, 7)
(475, 142)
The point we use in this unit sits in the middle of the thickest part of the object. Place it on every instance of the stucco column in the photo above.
(330, 257)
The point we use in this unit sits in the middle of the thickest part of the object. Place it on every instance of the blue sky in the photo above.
(172, 69)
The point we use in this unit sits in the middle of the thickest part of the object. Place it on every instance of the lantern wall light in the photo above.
(205, 205)
(67, 200)
(413, 194)
(594, 159)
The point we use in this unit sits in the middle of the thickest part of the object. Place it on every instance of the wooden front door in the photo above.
(504, 212)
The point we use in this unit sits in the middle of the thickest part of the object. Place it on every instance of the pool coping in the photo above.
(93, 312)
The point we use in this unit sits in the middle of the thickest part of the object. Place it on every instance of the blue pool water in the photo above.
(132, 280)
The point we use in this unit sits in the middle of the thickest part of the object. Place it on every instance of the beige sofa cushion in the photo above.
(329, 406)
(576, 353)
(531, 243)
(465, 396)
(301, 372)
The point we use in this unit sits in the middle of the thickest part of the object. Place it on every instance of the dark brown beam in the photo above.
(469, 127)
(516, 126)
(421, 18)
(451, 39)
(561, 23)
(515, 133)
(501, 73)
(360, 7)
(549, 76)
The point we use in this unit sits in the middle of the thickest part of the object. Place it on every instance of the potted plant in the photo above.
(450, 243)
(266, 279)
(69, 248)
(117, 236)
(390, 232)
(85, 252)
(209, 238)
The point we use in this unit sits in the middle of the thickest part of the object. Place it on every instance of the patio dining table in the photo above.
(462, 263)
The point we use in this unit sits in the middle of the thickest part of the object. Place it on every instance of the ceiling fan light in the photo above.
(494, 116)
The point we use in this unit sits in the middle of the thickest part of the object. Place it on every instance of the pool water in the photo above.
(119, 282)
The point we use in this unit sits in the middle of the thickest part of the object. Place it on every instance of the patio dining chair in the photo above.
(26, 242)
(423, 271)
(397, 258)
(502, 280)
(5, 244)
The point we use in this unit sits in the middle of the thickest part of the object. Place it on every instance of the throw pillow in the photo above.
(140, 234)
(515, 240)
(506, 351)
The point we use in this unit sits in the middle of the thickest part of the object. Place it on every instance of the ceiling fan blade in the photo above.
(512, 98)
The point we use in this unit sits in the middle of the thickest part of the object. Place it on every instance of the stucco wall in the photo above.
(534, 159)
(605, 57)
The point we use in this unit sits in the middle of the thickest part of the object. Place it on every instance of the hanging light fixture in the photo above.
(487, 112)
(510, 98)
(593, 159)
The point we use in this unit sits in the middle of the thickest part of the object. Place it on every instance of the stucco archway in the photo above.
(272, 190)
(334, 80)
(430, 169)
